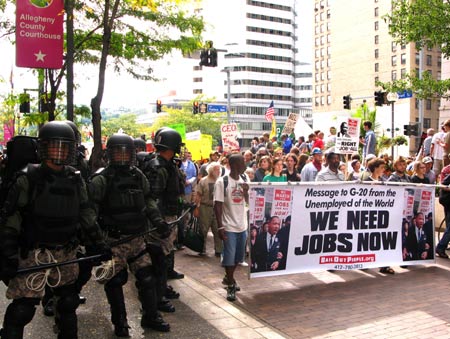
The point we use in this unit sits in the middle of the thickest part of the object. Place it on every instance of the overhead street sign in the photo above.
(404, 94)
(217, 108)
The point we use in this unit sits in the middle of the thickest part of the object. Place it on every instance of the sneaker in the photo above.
(243, 264)
(225, 282)
(442, 254)
(231, 292)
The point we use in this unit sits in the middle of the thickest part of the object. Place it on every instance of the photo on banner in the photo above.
(339, 227)
(347, 137)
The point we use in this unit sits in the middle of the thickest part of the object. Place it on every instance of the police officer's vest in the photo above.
(168, 202)
(53, 209)
(123, 209)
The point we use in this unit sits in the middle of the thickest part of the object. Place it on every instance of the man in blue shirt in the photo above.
(370, 139)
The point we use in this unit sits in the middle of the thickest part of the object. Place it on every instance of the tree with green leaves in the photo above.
(424, 23)
(127, 35)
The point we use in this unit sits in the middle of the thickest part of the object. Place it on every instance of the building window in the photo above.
(438, 75)
(316, 101)
(329, 75)
(317, 89)
(429, 63)
(377, 52)
(329, 99)
(322, 101)
(417, 58)
(377, 67)
(328, 87)
(428, 104)
(376, 39)
(394, 60)
(403, 73)
(376, 81)
(393, 47)
(376, 12)
(394, 75)
(403, 58)
(376, 25)
(317, 53)
(426, 123)
(439, 62)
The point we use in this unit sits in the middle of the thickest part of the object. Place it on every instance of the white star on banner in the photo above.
(40, 56)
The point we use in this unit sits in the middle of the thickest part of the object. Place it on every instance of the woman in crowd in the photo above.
(264, 167)
(355, 173)
(277, 172)
(302, 161)
(376, 167)
(419, 173)
(291, 171)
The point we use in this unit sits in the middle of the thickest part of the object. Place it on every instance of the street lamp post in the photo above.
(392, 97)
(228, 95)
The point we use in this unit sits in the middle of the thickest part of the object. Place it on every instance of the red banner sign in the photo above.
(39, 33)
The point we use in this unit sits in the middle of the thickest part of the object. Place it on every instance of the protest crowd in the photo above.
(136, 212)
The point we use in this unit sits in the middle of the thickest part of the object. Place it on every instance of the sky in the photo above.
(120, 90)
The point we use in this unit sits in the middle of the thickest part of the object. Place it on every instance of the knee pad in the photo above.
(67, 303)
(118, 280)
(21, 311)
(145, 278)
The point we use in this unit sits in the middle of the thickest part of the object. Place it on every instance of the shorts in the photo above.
(234, 248)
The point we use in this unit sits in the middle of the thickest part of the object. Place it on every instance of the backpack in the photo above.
(21, 150)
(444, 196)
(225, 183)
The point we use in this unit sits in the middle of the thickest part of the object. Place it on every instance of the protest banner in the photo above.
(230, 135)
(289, 126)
(347, 139)
(339, 227)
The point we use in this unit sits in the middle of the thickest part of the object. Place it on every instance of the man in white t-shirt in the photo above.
(229, 209)
(437, 151)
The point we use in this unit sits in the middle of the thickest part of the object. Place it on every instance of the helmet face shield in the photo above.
(59, 152)
(121, 155)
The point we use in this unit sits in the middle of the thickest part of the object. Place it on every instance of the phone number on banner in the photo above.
(348, 267)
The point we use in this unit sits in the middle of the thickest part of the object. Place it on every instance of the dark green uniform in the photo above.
(45, 210)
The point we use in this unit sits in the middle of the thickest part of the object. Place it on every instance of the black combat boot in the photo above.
(116, 300)
(151, 318)
(171, 273)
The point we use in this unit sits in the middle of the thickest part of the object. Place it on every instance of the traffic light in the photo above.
(208, 55)
(212, 57)
(204, 58)
(24, 106)
(158, 106)
(407, 130)
(380, 98)
(347, 101)
(414, 129)
(195, 107)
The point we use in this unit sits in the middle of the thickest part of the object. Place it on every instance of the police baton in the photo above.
(33, 269)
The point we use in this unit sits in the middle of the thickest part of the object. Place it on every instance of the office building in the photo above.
(352, 51)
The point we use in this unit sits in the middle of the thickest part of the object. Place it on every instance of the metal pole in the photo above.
(228, 96)
(392, 128)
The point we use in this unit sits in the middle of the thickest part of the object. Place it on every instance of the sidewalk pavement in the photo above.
(413, 303)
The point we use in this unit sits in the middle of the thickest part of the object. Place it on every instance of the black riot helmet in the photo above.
(167, 138)
(56, 143)
(140, 145)
(120, 150)
(75, 131)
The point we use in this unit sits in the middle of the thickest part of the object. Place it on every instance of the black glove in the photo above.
(105, 250)
(9, 268)
(101, 249)
(163, 228)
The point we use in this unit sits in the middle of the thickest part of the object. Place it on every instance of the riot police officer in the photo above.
(121, 194)
(81, 164)
(44, 211)
(140, 145)
(167, 185)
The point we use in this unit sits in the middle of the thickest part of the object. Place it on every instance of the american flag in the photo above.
(270, 111)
